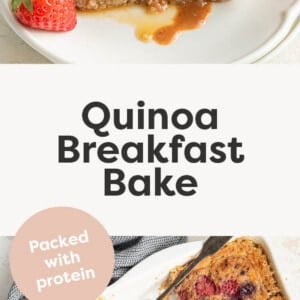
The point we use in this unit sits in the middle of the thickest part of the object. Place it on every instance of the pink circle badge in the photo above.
(62, 253)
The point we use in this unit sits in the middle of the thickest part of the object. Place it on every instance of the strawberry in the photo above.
(51, 15)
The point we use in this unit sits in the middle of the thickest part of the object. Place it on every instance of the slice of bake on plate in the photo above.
(240, 270)
(156, 5)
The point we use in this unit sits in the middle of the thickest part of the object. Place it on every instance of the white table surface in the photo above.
(14, 50)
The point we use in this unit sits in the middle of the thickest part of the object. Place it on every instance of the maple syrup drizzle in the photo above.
(161, 27)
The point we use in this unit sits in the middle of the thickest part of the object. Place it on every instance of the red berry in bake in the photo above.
(230, 288)
(183, 295)
(205, 286)
(247, 289)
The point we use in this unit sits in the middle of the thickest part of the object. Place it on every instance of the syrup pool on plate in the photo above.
(161, 27)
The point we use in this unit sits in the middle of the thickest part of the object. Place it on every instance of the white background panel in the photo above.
(257, 104)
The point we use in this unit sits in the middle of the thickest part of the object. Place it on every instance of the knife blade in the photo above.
(211, 246)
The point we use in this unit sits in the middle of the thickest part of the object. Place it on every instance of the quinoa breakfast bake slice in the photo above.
(157, 5)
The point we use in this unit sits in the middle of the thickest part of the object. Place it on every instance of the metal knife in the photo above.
(211, 245)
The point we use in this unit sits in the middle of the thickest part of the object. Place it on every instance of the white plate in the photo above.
(144, 280)
(287, 40)
(236, 31)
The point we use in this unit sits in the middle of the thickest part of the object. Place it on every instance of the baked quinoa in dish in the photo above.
(240, 270)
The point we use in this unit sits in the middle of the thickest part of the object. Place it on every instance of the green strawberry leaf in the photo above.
(15, 4)
(28, 5)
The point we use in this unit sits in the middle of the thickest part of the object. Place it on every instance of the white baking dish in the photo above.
(144, 281)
